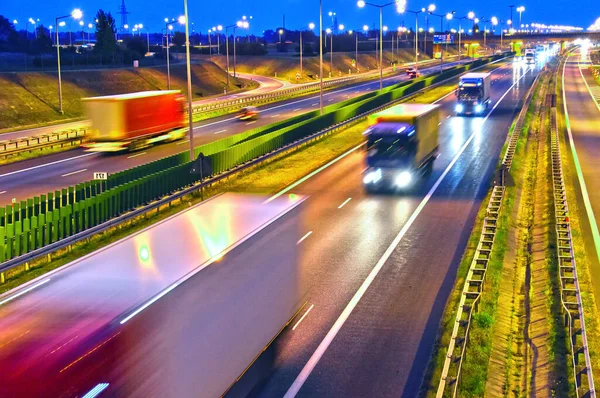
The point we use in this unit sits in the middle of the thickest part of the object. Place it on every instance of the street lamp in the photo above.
(416, 33)
(75, 14)
(470, 15)
(311, 26)
(32, 21)
(168, 27)
(400, 7)
(239, 24)
(520, 10)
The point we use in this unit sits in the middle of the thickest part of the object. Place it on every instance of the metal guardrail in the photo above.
(474, 282)
(569, 284)
(25, 144)
(65, 243)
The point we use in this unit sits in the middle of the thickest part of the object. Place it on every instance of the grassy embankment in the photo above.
(29, 99)
(286, 66)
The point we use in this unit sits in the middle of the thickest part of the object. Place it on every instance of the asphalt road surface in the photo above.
(26, 179)
(584, 116)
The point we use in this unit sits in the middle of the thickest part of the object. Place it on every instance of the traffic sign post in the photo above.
(101, 176)
(203, 166)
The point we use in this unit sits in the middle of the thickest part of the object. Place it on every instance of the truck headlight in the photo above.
(478, 108)
(372, 176)
(403, 179)
(459, 108)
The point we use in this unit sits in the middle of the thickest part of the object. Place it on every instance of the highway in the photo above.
(40, 175)
(378, 271)
(584, 138)
(383, 267)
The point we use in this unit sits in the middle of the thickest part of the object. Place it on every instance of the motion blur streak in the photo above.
(94, 392)
(24, 291)
(150, 302)
(320, 351)
(89, 352)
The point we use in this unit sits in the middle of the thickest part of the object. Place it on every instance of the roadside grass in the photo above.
(30, 98)
(286, 66)
(475, 364)
(579, 228)
(37, 153)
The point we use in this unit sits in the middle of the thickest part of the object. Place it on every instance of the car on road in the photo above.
(412, 72)
(249, 113)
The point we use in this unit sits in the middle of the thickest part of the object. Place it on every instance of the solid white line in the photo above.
(303, 316)
(324, 345)
(220, 131)
(309, 233)
(182, 142)
(6, 300)
(584, 192)
(588, 88)
(2, 192)
(249, 123)
(136, 155)
(74, 172)
(47, 164)
(345, 202)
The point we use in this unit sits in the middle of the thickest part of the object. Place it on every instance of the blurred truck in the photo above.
(530, 56)
(402, 143)
(134, 121)
(473, 94)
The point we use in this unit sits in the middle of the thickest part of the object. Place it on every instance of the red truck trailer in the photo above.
(134, 121)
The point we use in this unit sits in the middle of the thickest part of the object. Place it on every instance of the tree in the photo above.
(8, 34)
(43, 42)
(178, 39)
(137, 45)
(106, 42)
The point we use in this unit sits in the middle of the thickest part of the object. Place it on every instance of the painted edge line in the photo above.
(584, 192)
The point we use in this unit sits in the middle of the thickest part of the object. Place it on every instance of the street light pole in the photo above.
(321, 56)
(189, 80)
(76, 14)
(168, 60)
(361, 4)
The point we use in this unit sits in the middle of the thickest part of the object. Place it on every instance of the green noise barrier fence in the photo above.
(45, 219)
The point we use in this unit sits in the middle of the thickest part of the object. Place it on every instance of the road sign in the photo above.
(100, 176)
(443, 39)
(202, 165)
(353, 62)
(14, 200)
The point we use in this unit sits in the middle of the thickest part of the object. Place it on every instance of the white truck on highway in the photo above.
(530, 56)
(402, 143)
(473, 93)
